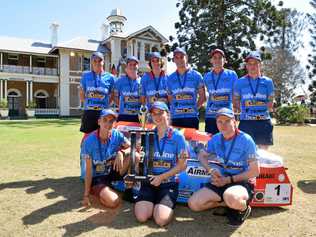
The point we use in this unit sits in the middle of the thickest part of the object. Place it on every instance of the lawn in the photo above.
(40, 191)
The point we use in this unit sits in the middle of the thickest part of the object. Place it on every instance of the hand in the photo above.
(220, 181)
(118, 162)
(156, 180)
(86, 201)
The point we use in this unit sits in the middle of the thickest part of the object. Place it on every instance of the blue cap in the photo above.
(179, 50)
(106, 112)
(159, 105)
(97, 55)
(225, 112)
(132, 58)
(253, 55)
(155, 55)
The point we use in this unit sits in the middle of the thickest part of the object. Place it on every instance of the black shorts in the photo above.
(89, 121)
(210, 126)
(99, 182)
(261, 131)
(186, 122)
(166, 194)
(128, 118)
(220, 190)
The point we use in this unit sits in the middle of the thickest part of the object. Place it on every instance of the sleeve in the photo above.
(182, 147)
(86, 151)
(270, 87)
(116, 87)
(210, 148)
(237, 88)
(199, 80)
(168, 87)
(122, 140)
(251, 150)
(83, 82)
(143, 85)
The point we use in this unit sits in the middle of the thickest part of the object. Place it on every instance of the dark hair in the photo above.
(160, 62)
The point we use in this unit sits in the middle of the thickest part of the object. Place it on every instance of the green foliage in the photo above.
(31, 105)
(230, 25)
(3, 104)
(312, 30)
(292, 114)
(312, 89)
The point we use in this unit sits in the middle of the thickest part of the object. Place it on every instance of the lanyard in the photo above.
(157, 84)
(102, 155)
(161, 149)
(184, 80)
(226, 156)
(95, 79)
(215, 84)
(130, 82)
(254, 92)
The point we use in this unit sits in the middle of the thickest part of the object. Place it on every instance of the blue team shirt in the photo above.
(220, 90)
(254, 106)
(171, 146)
(102, 155)
(154, 88)
(184, 90)
(243, 151)
(97, 89)
(128, 91)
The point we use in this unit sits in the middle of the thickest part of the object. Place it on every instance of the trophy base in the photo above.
(131, 178)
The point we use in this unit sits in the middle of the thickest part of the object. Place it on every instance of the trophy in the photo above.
(145, 148)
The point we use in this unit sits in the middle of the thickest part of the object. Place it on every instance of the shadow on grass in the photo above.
(185, 223)
(28, 124)
(307, 186)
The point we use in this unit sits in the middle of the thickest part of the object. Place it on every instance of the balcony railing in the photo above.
(39, 111)
(26, 70)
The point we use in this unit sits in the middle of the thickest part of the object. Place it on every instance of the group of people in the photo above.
(174, 101)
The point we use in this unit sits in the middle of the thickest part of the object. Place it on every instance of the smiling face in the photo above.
(180, 60)
(155, 63)
(106, 122)
(97, 65)
(217, 61)
(225, 125)
(132, 69)
(253, 67)
(160, 117)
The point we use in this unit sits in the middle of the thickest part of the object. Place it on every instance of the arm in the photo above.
(202, 97)
(82, 95)
(87, 181)
(252, 172)
(236, 103)
(203, 158)
(143, 100)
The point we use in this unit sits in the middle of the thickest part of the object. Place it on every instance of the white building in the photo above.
(49, 73)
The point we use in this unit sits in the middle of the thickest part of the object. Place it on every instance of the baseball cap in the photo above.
(159, 105)
(214, 51)
(253, 55)
(132, 58)
(96, 55)
(155, 55)
(225, 112)
(179, 50)
(106, 112)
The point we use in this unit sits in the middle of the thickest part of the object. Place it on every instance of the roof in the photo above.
(149, 28)
(24, 45)
(81, 43)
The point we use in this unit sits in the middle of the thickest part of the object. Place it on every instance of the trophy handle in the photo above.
(143, 114)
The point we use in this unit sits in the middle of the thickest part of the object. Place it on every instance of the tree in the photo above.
(312, 30)
(312, 89)
(283, 67)
(232, 25)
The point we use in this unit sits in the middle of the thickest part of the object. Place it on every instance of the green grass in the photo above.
(40, 191)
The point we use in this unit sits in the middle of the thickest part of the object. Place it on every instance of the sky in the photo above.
(32, 18)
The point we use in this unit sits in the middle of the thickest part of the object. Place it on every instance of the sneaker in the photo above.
(236, 218)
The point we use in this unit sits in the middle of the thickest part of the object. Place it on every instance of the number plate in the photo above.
(277, 193)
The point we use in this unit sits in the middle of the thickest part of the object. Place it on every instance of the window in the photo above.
(41, 61)
(86, 64)
(147, 52)
(13, 59)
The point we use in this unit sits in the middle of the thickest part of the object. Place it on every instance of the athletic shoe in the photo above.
(236, 218)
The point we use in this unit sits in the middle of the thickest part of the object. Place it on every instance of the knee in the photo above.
(232, 201)
(141, 217)
(161, 221)
(112, 201)
(193, 205)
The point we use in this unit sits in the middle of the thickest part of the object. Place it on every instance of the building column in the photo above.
(5, 89)
(64, 85)
(128, 46)
(27, 93)
(31, 68)
(136, 48)
(1, 89)
(1, 61)
(31, 91)
(142, 51)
